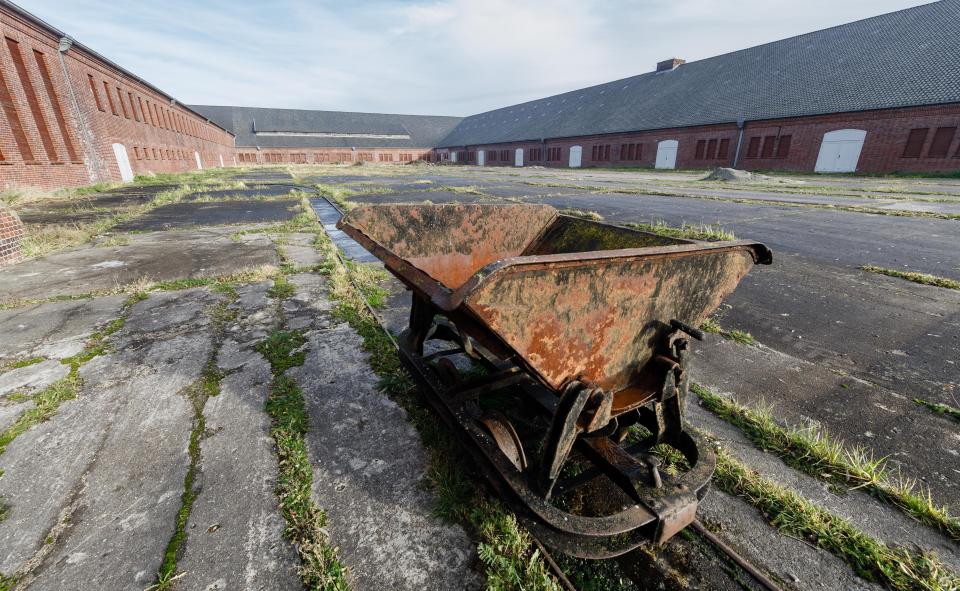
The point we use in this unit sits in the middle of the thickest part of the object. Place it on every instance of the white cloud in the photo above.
(431, 57)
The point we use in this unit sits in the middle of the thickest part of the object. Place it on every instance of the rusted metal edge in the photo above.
(448, 300)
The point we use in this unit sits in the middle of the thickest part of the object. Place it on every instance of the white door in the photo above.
(518, 157)
(576, 156)
(221, 160)
(453, 156)
(123, 162)
(667, 154)
(196, 156)
(840, 150)
(481, 157)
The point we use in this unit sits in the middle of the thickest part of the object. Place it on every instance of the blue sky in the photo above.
(434, 57)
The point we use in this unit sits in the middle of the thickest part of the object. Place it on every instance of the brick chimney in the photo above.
(670, 64)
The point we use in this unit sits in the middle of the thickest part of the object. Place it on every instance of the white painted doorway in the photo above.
(576, 156)
(221, 160)
(453, 156)
(840, 150)
(123, 162)
(196, 156)
(667, 154)
(481, 157)
(518, 157)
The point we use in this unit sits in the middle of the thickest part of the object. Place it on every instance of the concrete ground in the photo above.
(94, 491)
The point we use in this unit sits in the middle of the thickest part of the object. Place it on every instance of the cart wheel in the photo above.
(447, 372)
(562, 434)
(502, 431)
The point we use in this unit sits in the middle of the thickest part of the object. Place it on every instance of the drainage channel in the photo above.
(329, 216)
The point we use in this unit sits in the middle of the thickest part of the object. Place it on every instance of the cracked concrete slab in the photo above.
(875, 518)
(891, 424)
(234, 211)
(111, 462)
(368, 466)
(157, 256)
(235, 533)
(56, 330)
(33, 377)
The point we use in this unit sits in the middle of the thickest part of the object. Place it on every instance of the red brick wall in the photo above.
(887, 132)
(11, 234)
(67, 138)
(251, 156)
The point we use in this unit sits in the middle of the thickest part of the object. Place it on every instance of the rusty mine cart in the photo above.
(556, 349)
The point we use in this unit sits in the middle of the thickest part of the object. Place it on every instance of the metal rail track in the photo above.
(721, 546)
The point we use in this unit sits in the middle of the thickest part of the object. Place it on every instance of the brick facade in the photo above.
(11, 235)
(67, 116)
(883, 149)
(321, 155)
(61, 112)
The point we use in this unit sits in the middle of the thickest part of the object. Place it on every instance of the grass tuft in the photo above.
(937, 407)
(22, 363)
(712, 326)
(280, 349)
(706, 232)
(46, 402)
(921, 278)
(281, 288)
(579, 213)
(815, 452)
(897, 568)
(306, 522)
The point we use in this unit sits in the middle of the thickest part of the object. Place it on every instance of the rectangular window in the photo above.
(632, 152)
(505, 155)
(601, 152)
(753, 149)
(768, 143)
(915, 142)
(55, 103)
(492, 155)
(724, 149)
(96, 95)
(32, 101)
(133, 107)
(106, 91)
(701, 147)
(536, 154)
(146, 154)
(13, 119)
(941, 142)
(155, 157)
(123, 105)
(712, 149)
(783, 146)
(136, 152)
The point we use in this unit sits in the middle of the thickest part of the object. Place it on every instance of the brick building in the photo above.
(296, 136)
(877, 95)
(69, 116)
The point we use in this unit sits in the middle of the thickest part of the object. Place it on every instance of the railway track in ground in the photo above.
(751, 570)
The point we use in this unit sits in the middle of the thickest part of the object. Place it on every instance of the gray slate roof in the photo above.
(423, 131)
(905, 58)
